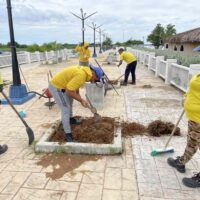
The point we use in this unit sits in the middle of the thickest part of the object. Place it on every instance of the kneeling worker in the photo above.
(64, 87)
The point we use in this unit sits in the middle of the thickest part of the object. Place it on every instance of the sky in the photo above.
(40, 21)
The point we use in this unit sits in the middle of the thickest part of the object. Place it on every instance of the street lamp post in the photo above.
(17, 91)
(100, 46)
(83, 18)
(15, 67)
(94, 27)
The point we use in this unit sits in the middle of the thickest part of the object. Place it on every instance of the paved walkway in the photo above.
(156, 180)
(130, 176)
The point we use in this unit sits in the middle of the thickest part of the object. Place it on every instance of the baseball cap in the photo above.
(97, 70)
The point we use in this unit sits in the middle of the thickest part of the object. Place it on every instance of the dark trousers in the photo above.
(130, 68)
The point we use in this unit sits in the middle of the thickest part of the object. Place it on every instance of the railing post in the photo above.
(46, 56)
(194, 69)
(151, 55)
(28, 55)
(158, 59)
(168, 70)
(38, 55)
(149, 61)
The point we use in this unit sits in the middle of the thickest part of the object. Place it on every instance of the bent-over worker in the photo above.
(64, 87)
(131, 61)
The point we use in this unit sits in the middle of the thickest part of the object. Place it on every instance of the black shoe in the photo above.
(68, 137)
(3, 148)
(133, 83)
(177, 164)
(76, 121)
(192, 182)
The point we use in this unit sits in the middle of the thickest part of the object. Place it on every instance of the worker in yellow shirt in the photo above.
(131, 61)
(84, 54)
(64, 87)
(192, 110)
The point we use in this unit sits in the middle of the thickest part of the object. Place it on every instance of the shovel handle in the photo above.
(93, 110)
(91, 106)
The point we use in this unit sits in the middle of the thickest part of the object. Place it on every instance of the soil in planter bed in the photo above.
(90, 131)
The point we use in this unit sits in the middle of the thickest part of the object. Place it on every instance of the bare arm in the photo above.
(120, 62)
(77, 49)
(75, 95)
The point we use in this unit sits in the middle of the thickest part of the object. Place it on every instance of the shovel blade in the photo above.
(97, 117)
(30, 135)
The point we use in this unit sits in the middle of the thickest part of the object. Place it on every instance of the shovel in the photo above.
(97, 117)
(29, 131)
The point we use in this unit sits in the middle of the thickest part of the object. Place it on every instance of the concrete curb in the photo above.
(79, 148)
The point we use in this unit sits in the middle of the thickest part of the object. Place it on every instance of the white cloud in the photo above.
(47, 20)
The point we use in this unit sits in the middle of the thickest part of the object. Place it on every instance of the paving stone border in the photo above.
(43, 145)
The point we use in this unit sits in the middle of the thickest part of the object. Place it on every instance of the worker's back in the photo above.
(128, 57)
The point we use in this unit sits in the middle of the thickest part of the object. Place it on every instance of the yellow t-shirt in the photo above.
(192, 101)
(127, 57)
(71, 78)
(84, 54)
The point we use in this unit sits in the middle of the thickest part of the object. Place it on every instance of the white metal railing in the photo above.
(171, 72)
(5, 61)
(26, 57)
(152, 65)
(146, 59)
(22, 58)
(34, 57)
(42, 56)
(179, 76)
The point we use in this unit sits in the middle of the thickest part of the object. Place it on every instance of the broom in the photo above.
(167, 149)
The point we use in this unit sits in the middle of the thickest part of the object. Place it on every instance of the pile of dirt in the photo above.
(158, 128)
(63, 163)
(89, 131)
(130, 129)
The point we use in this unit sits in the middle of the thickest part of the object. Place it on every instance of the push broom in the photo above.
(167, 149)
